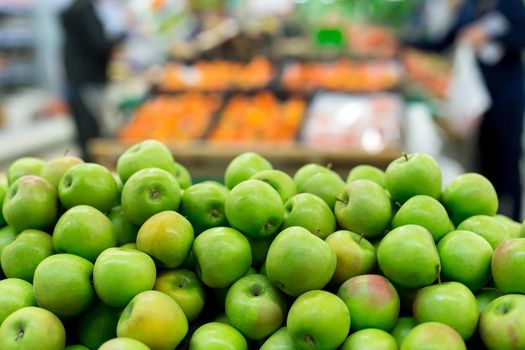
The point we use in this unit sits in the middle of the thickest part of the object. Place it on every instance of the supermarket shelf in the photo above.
(209, 159)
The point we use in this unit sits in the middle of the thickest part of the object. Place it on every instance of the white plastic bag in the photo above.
(468, 98)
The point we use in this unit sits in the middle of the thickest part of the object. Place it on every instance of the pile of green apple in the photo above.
(141, 258)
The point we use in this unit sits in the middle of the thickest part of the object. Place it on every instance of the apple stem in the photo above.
(317, 232)
(19, 335)
(66, 152)
(438, 269)
(329, 165)
(341, 200)
(405, 155)
(361, 238)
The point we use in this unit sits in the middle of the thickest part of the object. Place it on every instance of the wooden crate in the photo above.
(207, 160)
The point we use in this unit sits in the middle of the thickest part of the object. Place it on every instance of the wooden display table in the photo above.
(209, 159)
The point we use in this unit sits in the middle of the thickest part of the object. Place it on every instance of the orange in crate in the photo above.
(165, 118)
(259, 118)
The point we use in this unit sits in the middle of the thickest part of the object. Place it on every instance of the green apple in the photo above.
(182, 175)
(408, 256)
(126, 231)
(311, 212)
(84, 231)
(15, 294)
(364, 207)
(123, 343)
(299, 261)
(318, 320)
(259, 249)
(488, 227)
(279, 180)
(325, 185)
(147, 192)
(433, 336)
(24, 166)
(120, 274)
(451, 303)
(355, 255)
(185, 288)
(7, 235)
(513, 227)
(367, 172)
(76, 347)
(466, 258)
(402, 327)
(90, 184)
(255, 307)
(243, 167)
(508, 266)
(62, 284)
(217, 336)
(413, 174)
(279, 340)
(424, 211)
(54, 169)
(222, 256)
(306, 172)
(32, 328)
(20, 258)
(370, 339)
(502, 323)
(485, 296)
(167, 237)
(155, 319)
(30, 194)
(97, 325)
(3, 191)
(203, 205)
(254, 208)
(145, 154)
(372, 301)
(468, 195)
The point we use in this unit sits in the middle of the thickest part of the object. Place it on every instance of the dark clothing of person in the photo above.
(87, 51)
(501, 129)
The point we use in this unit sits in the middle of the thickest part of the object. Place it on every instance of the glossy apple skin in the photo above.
(30, 193)
(185, 288)
(167, 237)
(64, 272)
(84, 231)
(372, 300)
(217, 336)
(355, 255)
(155, 319)
(311, 212)
(119, 274)
(148, 192)
(145, 154)
(32, 328)
(508, 266)
(451, 303)
(15, 294)
(502, 322)
(90, 184)
(320, 318)
(433, 335)
(255, 306)
(408, 256)
(411, 175)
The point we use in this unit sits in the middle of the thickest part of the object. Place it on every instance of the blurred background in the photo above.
(338, 82)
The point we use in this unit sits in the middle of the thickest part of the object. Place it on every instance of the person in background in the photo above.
(87, 51)
(496, 30)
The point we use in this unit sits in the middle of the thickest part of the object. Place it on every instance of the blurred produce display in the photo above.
(217, 75)
(182, 117)
(261, 117)
(429, 72)
(342, 75)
